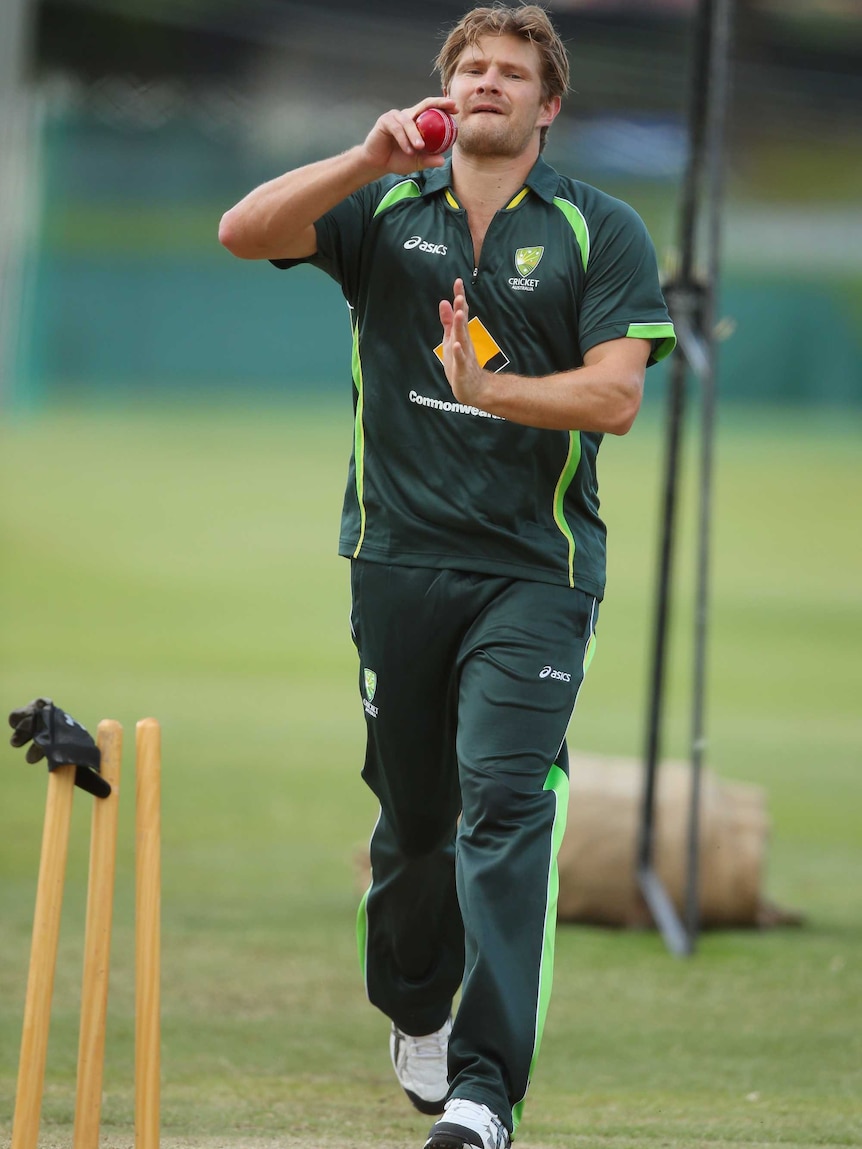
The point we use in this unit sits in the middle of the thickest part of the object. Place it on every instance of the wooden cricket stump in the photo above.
(148, 887)
(97, 944)
(43, 957)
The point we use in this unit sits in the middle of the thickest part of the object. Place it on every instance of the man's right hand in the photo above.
(395, 145)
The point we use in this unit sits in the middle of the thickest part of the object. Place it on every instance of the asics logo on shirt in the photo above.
(424, 245)
(560, 675)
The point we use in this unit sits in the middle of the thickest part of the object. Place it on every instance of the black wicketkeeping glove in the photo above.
(63, 741)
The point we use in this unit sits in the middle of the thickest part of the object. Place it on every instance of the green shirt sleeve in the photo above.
(340, 234)
(622, 295)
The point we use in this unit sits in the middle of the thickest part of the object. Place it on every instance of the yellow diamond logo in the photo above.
(488, 351)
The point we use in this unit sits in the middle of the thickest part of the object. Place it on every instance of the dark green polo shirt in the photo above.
(438, 484)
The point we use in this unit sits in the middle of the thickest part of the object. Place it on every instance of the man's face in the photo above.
(498, 87)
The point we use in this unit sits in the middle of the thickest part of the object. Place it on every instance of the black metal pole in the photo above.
(659, 904)
(691, 302)
(714, 180)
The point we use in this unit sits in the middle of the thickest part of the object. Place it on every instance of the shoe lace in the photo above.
(431, 1045)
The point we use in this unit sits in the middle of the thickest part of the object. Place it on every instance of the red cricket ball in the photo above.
(438, 130)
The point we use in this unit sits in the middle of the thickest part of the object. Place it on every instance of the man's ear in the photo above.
(550, 111)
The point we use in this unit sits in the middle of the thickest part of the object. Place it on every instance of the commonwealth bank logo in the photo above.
(527, 259)
(488, 351)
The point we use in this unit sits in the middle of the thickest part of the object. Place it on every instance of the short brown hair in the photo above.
(527, 21)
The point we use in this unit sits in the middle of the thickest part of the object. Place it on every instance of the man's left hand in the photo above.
(470, 384)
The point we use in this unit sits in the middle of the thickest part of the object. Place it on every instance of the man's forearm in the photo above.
(604, 395)
(589, 398)
(273, 221)
(276, 220)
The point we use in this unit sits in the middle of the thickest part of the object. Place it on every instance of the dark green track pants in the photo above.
(468, 683)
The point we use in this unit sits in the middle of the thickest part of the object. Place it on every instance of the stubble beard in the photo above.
(503, 140)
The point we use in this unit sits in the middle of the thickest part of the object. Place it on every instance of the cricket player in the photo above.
(503, 317)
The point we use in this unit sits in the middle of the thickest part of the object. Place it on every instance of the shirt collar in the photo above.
(542, 179)
(437, 179)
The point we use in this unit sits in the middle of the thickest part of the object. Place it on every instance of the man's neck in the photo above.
(485, 184)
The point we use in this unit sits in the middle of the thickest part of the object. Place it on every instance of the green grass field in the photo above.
(182, 563)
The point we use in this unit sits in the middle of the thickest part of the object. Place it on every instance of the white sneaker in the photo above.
(420, 1066)
(468, 1125)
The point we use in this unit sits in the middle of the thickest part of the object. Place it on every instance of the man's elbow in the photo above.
(232, 235)
(229, 235)
(626, 408)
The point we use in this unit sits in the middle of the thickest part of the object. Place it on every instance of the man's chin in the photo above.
(484, 139)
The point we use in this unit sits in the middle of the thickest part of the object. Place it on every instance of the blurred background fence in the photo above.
(132, 124)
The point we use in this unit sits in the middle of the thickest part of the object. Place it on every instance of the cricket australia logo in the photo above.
(370, 690)
(527, 259)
